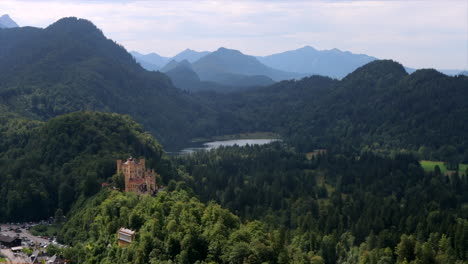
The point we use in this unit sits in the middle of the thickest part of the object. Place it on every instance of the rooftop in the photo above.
(127, 231)
(7, 239)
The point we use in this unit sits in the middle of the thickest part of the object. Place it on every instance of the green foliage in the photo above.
(45, 230)
(45, 166)
(369, 205)
(173, 228)
(378, 108)
(71, 66)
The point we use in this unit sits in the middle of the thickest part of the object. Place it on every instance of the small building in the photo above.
(125, 236)
(16, 249)
(10, 241)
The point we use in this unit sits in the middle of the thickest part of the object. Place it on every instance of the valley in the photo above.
(358, 163)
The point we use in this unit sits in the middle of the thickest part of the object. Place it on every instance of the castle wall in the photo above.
(138, 179)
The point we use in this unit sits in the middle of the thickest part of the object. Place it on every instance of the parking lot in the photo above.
(28, 240)
(14, 230)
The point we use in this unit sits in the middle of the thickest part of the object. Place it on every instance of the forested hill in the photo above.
(378, 107)
(45, 166)
(71, 66)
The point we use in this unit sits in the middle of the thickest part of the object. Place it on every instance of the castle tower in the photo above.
(138, 179)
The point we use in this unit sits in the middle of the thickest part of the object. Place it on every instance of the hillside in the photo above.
(174, 227)
(378, 107)
(71, 66)
(182, 75)
(50, 165)
(223, 62)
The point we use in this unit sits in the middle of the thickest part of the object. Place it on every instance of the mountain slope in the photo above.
(71, 66)
(64, 158)
(378, 107)
(7, 22)
(182, 75)
(333, 63)
(224, 62)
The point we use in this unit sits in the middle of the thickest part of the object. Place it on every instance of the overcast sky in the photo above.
(417, 33)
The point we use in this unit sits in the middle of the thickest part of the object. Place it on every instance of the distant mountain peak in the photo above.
(190, 55)
(74, 24)
(226, 49)
(379, 70)
(307, 48)
(170, 65)
(7, 22)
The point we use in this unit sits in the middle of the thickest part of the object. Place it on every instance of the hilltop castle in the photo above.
(138, 179)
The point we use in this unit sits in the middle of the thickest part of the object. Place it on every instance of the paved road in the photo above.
(24, 233)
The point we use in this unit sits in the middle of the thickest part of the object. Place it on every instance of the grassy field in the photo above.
(430, 165)
(45, 230)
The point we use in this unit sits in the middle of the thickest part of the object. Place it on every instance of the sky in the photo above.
(416, 33)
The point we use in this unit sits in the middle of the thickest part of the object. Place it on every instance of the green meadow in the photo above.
(430, 165)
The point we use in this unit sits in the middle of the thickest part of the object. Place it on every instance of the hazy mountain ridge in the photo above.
(151, 61)
(190, 55)
(223, 62)
(7, 22)
(333, 63)
(71, 66)
(155, 62)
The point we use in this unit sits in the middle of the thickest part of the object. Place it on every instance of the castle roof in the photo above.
(126, 231)
(131, 160)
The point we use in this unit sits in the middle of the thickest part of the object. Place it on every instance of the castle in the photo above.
(138, 179)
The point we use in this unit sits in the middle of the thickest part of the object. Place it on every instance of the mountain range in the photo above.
(155, 62)
(344, 185)
(308, 60)
(71, 66)
(7, 22)
(231, 67)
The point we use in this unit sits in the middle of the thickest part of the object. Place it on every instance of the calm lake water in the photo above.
(226, 143)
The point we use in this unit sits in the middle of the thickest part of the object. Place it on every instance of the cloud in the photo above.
(416, 33)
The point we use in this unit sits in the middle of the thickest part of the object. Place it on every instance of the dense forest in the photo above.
(46, 166)
(71, 66)
(73, 101)
(379, 108)
(327, 209)
(368, 197)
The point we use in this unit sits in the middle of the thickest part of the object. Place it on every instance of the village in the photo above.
(19, 245)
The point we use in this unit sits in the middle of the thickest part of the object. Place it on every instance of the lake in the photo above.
(227, 143)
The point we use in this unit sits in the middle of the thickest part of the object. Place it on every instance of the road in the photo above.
(33, 240)
(24, 233)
